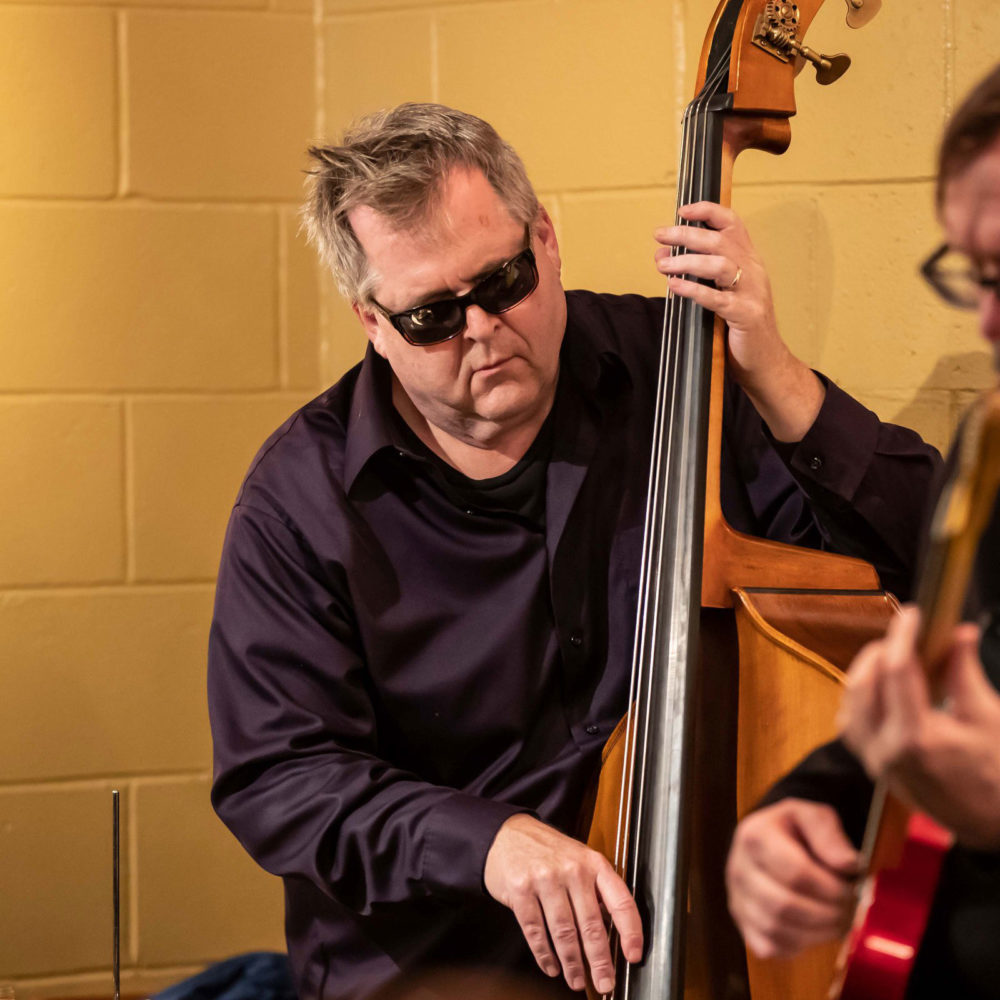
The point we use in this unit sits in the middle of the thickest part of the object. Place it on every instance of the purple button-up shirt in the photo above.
(392, 675)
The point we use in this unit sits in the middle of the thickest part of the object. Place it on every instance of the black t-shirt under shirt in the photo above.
(519, 492)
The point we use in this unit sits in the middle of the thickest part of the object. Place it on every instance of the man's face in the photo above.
(971, 216)
(499, 374)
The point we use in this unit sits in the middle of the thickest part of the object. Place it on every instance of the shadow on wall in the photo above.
(793, 239)
(963, 376)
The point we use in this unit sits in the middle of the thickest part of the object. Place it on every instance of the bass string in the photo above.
(665, 439)
(693, 160)
(693, 157)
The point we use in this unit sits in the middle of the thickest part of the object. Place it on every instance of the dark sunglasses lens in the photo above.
(432, 323)
(502, 290)
(508, 286)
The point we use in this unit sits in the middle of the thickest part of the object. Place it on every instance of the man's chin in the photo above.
(511, 403)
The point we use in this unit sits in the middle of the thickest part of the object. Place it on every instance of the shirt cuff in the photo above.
(460, 833)
(837, 450)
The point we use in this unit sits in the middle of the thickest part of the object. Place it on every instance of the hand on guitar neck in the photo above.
(944, 761)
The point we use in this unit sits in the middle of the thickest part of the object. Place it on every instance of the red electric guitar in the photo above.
(904, 850)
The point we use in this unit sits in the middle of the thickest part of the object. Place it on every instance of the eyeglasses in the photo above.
(957, 278)
(512, 282)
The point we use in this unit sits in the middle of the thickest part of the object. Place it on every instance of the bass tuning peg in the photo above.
(782, 43)
(860, 12)
(828, 68)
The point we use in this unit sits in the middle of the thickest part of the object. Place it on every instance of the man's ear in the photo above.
(546, 232)
(368, 318)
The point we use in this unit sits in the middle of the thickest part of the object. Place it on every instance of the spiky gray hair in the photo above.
(395, 162)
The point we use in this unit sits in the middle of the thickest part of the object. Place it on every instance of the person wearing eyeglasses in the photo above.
(793, 862)
(426, 604)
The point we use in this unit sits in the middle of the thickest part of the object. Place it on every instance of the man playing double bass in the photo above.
(426, 604)
(792, 862)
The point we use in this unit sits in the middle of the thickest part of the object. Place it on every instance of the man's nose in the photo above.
(479, 323)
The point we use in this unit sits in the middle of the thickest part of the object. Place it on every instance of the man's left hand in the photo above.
(784, 390)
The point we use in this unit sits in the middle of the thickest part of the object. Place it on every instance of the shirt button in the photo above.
(576, 639)
(468, 510)
(592, 730)
(815, 463)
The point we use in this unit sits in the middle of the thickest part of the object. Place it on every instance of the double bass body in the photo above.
(740, 642)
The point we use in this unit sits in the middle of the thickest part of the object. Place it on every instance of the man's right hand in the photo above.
(557, 888)
(790, 875)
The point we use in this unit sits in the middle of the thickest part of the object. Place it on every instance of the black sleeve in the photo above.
(298, 775)
(853, 485)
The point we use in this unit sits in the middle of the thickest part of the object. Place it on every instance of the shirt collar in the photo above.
(370, 425)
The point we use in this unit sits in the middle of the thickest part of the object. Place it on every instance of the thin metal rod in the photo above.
(115, 896)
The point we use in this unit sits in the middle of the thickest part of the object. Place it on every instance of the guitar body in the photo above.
(892, 916)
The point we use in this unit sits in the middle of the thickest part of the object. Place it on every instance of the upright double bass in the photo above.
(740, 641)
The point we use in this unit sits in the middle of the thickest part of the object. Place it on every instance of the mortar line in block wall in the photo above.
(554, 206)
(89, 588)
(127, 200)
(68, 783)
(669, 186)
(323, 306)
(128, 489)
(320, 61)
(93, 394)
(93, 981)
(267, 204)
(435, 47)
(283, 235)
(168, 6)
(323, 310)
(812, 277)
(430, 7)
(95, 588)
(948, 12)
(122, 103)
(835, 182)
(680, 63)
(139, 587)
(145, 203)
(133, 875)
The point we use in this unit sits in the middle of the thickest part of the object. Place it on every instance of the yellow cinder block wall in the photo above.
(159, 314)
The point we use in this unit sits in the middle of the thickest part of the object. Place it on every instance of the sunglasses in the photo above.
(434, 323)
